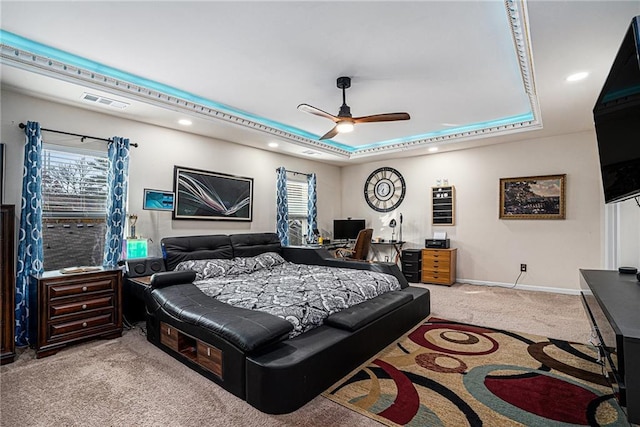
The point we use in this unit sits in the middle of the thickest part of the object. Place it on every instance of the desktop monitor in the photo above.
(347, 229)
(157, 200)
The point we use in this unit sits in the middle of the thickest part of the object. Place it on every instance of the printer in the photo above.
(439, 241)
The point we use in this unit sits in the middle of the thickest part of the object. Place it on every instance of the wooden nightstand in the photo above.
(67, 308)
(439, 266)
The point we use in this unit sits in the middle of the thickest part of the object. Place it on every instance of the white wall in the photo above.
(628, 236)
(151, 165)
(489, 249)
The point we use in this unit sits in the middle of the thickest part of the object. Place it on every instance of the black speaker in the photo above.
(144, 266)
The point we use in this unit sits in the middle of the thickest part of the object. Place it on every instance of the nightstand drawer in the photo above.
(80, 287)
(61, 309)
(57, 329)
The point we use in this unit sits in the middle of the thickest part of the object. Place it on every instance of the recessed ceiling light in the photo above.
(433, 149)
(311, 153)
(273, 144)
(577, 76)
(185, 122)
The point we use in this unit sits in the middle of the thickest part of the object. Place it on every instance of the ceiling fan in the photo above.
(344, 121)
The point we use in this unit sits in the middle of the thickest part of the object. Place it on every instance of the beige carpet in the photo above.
(127, 381)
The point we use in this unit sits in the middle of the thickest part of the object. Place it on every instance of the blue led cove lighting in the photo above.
(18, 42)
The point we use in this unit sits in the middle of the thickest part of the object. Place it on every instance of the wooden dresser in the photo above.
(439, 266)
(72, 307)
(7, 284)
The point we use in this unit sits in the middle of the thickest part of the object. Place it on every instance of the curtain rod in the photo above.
(296, 172)
(22, 126)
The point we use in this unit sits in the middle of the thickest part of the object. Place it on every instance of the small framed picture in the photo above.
(533, 197)
(158, 200)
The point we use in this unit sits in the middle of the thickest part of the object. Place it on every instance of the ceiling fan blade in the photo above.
(389, 117)
(318, 112)
(333, 132)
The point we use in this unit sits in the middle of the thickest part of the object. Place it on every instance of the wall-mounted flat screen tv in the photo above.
(617, 121)
(347, 229)
(158, 200)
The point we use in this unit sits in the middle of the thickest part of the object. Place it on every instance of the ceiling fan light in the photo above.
(344, 127)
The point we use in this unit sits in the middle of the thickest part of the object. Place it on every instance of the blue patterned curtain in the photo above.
(30, 254)
(312, 208)
(117, 179)
(282, 207)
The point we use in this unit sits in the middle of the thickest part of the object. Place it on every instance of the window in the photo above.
(298, 196)
(74, 205)
(74, 184)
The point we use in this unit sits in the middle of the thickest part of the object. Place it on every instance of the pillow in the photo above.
(207, 268)
(264, 260)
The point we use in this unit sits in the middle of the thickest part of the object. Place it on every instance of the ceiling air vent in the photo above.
(106, 102)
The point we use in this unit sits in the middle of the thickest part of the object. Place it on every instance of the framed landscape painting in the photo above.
(533, 197)
(212, 195)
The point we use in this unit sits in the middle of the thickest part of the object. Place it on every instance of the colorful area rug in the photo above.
(453, 374)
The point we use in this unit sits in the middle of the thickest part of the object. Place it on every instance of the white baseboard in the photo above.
(522, 287)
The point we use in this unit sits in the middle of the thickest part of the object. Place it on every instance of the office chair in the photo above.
(360, 250)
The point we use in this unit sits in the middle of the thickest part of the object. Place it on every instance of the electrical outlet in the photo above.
(523, 267)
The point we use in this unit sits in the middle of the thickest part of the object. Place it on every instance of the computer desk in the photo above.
(396, 245)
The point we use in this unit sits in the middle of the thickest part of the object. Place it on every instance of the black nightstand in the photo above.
(133, 307)
(136, 283)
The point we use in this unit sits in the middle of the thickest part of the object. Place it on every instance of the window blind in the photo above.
(74, 184)
(297, 195)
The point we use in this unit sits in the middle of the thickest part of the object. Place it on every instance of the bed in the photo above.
(274, 325)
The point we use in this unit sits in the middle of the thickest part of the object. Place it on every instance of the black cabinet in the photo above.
(611, 301)
(412, 264)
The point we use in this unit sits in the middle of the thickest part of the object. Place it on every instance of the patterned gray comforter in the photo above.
(302, 294)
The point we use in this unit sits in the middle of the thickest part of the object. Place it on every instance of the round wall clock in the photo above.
(384, 189)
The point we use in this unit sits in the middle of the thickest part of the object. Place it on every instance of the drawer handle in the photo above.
(84, 289)
(84, 306)
(84, 324)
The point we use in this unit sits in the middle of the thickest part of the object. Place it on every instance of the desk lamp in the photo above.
(392, 224)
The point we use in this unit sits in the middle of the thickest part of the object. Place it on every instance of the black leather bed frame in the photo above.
(248, 352)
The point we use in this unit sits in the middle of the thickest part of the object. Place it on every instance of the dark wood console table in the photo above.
(612, 302)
